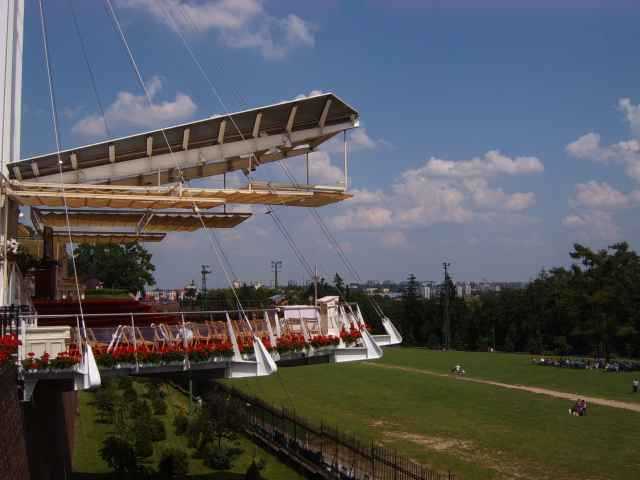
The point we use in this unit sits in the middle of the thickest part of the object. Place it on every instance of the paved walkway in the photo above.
(635, 407)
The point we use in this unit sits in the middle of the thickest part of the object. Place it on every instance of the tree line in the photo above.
(589, 308)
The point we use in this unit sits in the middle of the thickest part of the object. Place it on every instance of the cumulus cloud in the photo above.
(595, 194)
(130, 110)
(594, 205)
(632, 114)
(626, 153)
(593, 225)
(491, 163)
(394, 239)
(458, 193)
(239, 23)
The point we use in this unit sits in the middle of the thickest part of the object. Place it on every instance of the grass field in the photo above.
(477, 431)
(89, 436)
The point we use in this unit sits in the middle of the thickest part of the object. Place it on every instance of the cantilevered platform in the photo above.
(103, 238)
(138, 220)
(202, 148)
(168, 197)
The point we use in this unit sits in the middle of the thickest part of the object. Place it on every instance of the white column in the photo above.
(11, 36)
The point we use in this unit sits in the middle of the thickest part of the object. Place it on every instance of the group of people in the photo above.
(587, 364)
(458, 370)
(579, 409)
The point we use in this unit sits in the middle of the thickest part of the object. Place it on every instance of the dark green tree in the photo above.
(173, 464)
(119, 455)
(125, 267)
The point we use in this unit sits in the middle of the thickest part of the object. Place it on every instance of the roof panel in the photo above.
(202, 133)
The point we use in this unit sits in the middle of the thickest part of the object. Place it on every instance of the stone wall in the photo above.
(36, 441)
(14, 462)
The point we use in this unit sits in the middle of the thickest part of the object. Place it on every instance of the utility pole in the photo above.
(205, 271)
(315, 285)
(276, 265)
(446, 328)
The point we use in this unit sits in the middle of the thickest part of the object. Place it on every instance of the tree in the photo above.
(174, 463)
(339, 283)
(412, 317)
(126, 267)
(119, 455)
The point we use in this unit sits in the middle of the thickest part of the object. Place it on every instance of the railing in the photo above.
(326, 451)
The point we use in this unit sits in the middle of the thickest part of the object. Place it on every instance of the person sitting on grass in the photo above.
(579, 409)
(458, 370)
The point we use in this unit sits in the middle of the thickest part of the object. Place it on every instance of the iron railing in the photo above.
(327, 451)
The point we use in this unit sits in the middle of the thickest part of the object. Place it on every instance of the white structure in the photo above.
(11, 35)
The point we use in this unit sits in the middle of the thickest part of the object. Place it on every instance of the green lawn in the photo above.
(517, 369)
(477, 431)
(89, 436)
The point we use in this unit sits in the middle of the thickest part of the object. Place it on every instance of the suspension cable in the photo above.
(213, 240)
(88, 64)
(350, 268)
(54, 118)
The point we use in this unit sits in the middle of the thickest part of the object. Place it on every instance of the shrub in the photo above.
(140, 410)
(158, 432)
(130, 396)
(180, 423)
(119, 455)
(159, 406)
(253, 472)
(216, 458)
(144, 443)
(173, 463)
(105, 400)
(125, 383)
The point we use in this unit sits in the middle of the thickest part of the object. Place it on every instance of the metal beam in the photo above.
(216, 161)
(256, 125)
(74, 161)
(185, 138)
(223, 126)
(112, 153)
(34, 168)
(292, 118)
(149, 146)
(325, 112)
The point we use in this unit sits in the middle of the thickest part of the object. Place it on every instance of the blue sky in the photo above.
(492, 138)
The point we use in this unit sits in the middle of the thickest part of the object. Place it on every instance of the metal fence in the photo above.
(326, 451)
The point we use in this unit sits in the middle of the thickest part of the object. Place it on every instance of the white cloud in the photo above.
(593, 225)
(486, 197)
(459, 193)
(130, 110)
(491, 163)
(394, 239)
(312, 93)
(626, 152)
(240, 23)
(595, 194)
(632, 114)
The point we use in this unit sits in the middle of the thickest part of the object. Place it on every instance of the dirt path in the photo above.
(634, 407)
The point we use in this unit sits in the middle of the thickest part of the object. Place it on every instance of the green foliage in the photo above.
(158, 432)
(174, 464)
(119, 455)
(180, 423)
(159, 406)
(253, 472)
(143, 445)
(125, 267)
(105, 401)
(219, 458)
(25, 260)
